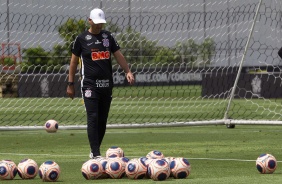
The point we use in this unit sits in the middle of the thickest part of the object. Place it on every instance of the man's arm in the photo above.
(72, 71)
(122, 62)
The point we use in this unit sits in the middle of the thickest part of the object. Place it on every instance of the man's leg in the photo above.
(104, 108)
(91, 105)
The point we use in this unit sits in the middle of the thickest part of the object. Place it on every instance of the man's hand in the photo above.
(71, 91)
(130, 78)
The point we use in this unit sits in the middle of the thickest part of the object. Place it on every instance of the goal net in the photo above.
(195, 62)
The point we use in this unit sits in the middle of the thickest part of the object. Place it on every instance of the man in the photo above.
(94, 47)
(280, 52)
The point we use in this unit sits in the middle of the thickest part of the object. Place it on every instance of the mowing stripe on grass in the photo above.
(83, 155)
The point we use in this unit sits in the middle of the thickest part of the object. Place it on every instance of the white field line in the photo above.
(85, 155)
(28, 154)
(222, 159)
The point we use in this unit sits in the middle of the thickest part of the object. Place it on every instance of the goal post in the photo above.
(242, 62)
(195, 62)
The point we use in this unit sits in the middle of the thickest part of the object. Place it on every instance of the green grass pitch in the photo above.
(155, 104)
(216, 154)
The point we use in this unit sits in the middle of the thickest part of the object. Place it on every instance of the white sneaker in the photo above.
(91, 156)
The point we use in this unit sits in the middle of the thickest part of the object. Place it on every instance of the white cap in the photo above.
(98, 16)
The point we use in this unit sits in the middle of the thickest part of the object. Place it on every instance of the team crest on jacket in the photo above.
(106, 42)
(88, 93)
(88, 37)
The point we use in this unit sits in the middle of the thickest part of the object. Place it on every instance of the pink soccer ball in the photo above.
(51, 126)
(27, 169)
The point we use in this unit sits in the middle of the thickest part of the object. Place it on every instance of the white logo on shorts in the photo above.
(104, 83)
(88, 93)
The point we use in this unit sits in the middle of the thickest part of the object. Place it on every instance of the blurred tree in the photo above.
(9, 61)
(61, 53)
(195, 54)
(68, 32)
(186, 52)
(35, 56)
(135, 47)
(207, 50)
(164, 55)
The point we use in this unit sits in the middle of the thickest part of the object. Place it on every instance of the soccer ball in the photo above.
(169, 159)
(8, 170)
(155, 155)
(92, 169)
(103, 162)
(266, 163)
(124, 159)
(49, 171)
(143, 160)
(147, 161)
(51, 126)
(158, 170)
(136, 169)
(180, 168)
(114, 151)
(115, 168)
(27, 169)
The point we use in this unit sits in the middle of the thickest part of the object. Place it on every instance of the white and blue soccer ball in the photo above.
(124, 159)
(27, 169)
(114, 152)
(266, 163)
(92, 169)
(8, 170)
(158, 170)
(115, 168)
(155, 155)
(180, 168)
(136, 169)
(103, 162)
(169, 159)
(49, 171)
(51, 126)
